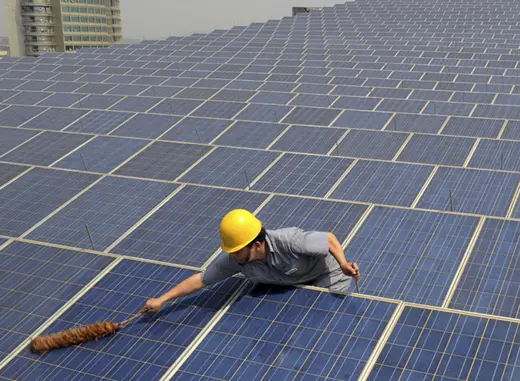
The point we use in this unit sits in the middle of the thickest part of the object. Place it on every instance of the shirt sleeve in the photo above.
(224, 266)
(312, 243)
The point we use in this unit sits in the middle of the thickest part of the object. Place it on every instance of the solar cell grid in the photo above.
(250, 134)
(9, 172)
(142, 351)
(185, 224)
(165, 161)
(99, 122)
(288, 334)
(230, 167)
(12, 137)
(371, 144)
(427, 344)
(107, 210)
(15, 116)
(36, 194)
(424, 248)
(55, 119)
(60, 274)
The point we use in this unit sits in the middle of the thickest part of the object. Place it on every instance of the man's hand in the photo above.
(153, 305)
(351, 269)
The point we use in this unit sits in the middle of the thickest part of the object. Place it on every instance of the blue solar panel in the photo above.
(27, 98)
(55, 119)
(303, 175)
(350, 90)
(313, 100)
(161, 91)
(311, 214)
(472, 191)
(363, 119)
(496, 154)
(61, 100)
(512, 130)
(424, 248)
(196, 93)
(95, 88)
(45, 148)
(489, 128)
(356, 103)
(308, 139)
(109, 209)
(33, 196)
(233, 95)
(251, 134)
(244, 85)
(12, 137)
(102, 154)
(137, 104)
(64, 87)
(165, 161)
(176, 106)
(497, 111)
(263, 113)
(278, 86)
(58, 274)
(371, 144)
(149, 126)
(289, 334)
(449, 108)
(188, 223)
(428, 345)
(15, 116)
(489, 281)
(383, 183)
(223, 110)
(102, 102)
(311, 116)
(100, 122)
(434, 149)
(272, 97)
(143, 350)
(401, 105)
(230, 167)
(127, 90)
(9, 172)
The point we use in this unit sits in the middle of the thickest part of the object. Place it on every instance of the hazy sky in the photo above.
(161, 18)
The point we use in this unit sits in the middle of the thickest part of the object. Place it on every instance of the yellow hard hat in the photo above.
(237, 229)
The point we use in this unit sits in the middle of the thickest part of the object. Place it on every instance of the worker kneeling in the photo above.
(287, 256)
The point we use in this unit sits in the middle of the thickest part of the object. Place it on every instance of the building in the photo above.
(40, 26)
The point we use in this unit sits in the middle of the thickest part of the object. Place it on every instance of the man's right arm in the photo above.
(188, 286)
(221, 268)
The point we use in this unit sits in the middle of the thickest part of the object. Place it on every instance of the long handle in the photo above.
(357, 286)
(137, 315)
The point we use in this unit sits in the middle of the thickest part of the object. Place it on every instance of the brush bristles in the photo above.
(73, 336)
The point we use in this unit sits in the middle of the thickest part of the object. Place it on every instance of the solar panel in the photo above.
(136, 104)
(222, 110)
(311, 116)
(371, 144)
(426, 343)
(142, 351)
(472, 191)
(363, 119)
(33, 196)
(55, 119)
(15, 116)
(263, 113)
(186, 224)
(230, 167)
(433, 149)
(61, 100)
(487, 128)
(487, 284)
(101, 215)
(401, 105)
(383, 183)
(251, 134)
(424, 248)
(12, 137)
(176, 106)
(99, 122)
(356, 103)
(127, 90)
(59, 274)
(96, 101)
(308, 139)
(149, 126)
(27, 98)
(496, 154)
(9, 172)
(290, 334)
(45, 148)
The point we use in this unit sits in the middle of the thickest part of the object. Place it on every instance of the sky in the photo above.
(155, 19)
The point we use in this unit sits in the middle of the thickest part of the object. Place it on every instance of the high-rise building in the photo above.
(40, 26)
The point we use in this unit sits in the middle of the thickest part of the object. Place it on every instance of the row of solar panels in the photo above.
(266, 332)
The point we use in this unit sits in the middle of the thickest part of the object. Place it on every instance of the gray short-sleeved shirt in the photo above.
(296, 257)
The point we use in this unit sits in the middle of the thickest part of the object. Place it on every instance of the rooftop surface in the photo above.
(394, 124)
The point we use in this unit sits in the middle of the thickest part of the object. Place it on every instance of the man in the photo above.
(287, 256)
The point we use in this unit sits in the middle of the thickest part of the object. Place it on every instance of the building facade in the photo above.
(40, 26)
